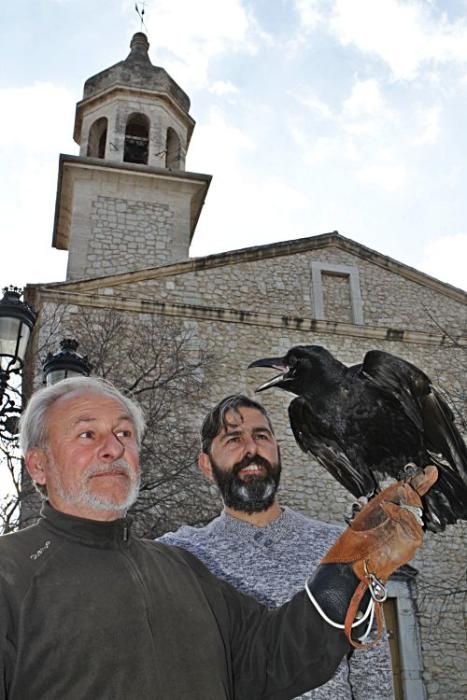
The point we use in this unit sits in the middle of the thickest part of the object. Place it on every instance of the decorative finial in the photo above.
(140, 13)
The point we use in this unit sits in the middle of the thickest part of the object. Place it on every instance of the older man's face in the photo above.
(91, 464)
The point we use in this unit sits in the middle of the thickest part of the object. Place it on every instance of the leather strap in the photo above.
(351, 615)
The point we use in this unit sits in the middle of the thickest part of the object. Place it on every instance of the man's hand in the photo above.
(382, 537)
(388, 530)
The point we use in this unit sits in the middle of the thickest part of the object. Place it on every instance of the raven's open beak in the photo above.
(275, 363)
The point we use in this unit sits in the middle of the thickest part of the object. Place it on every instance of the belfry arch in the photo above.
(136, 148)
(97, 139)
(173, 150)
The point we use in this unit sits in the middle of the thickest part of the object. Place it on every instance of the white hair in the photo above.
(33, 421)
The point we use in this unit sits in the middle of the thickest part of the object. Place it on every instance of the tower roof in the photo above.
(136, 71)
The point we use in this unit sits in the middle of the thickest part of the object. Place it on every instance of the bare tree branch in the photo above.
(158, 361)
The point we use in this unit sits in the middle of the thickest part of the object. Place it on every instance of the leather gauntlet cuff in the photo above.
(331, 589)
(382, 537)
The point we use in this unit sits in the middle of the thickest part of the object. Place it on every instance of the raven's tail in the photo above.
(446, 501)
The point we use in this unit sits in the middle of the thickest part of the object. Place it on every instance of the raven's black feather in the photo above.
(365, 422)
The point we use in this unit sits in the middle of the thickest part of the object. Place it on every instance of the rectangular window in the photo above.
(336, 294)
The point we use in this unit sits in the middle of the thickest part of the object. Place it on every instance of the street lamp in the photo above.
(66, 362)
(17, 319)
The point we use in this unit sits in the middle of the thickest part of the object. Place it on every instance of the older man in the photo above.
(88, 611)
(262, 548)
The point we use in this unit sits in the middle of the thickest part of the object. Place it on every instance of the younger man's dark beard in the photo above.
(254, 495)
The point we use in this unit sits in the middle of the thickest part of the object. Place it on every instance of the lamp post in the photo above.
(66, 362)
(17, 320)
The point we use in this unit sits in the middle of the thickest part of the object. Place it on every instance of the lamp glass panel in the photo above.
(56, 375)
(23, 342)
(9, 330)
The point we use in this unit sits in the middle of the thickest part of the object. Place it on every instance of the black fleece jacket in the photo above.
(88, 612)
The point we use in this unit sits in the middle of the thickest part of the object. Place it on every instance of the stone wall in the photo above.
(283, 286)
(142, 229)
(121, 220)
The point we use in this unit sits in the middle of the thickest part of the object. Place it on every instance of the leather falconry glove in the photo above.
(384, 535)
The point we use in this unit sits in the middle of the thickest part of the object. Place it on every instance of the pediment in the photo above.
(324, 243)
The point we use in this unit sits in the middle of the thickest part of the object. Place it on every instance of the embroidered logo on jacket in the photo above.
(40, 551)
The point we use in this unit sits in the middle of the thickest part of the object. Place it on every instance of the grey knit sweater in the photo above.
(271, 563)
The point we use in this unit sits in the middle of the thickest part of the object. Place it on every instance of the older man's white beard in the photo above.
(82, 495)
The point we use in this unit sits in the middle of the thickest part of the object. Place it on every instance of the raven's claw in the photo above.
(355, 508)
(408, 472)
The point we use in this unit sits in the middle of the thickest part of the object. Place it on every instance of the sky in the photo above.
(311, 116)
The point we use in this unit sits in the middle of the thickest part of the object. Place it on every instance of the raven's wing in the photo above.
(312, 437)
(399, 378)
(421, 403)
(441, 434)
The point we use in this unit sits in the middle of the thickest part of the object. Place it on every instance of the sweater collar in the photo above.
(95, 533)
(273, 531)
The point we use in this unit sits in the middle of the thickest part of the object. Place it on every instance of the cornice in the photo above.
(302, 324)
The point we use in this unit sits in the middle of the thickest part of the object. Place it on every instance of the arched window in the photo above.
(97, 138)
(136, 139)
(173, 150)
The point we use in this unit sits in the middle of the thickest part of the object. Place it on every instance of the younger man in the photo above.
(264, 549)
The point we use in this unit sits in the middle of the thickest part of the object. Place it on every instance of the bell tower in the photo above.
(127, 202)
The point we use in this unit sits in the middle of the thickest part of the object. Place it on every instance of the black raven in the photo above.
(365, 422)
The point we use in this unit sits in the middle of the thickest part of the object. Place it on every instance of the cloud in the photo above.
(313, 104)
(365, 99)
(366, 111)
(429, 126)
(391, 176)
(242, 209)
(41, 118)
(31, 137)
(223, 87)
(445, 258)
(325, 150)
(310, 12)
(407, 35)
(204, 31)
(357, 134)
(217, 145)
(27, 204)
(255, 213)
(404, 35)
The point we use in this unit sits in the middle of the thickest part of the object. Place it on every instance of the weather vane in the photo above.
(140, 13)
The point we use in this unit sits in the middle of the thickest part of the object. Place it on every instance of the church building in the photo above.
(127, 211)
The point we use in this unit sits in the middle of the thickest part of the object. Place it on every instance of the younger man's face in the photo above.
(245, 461)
